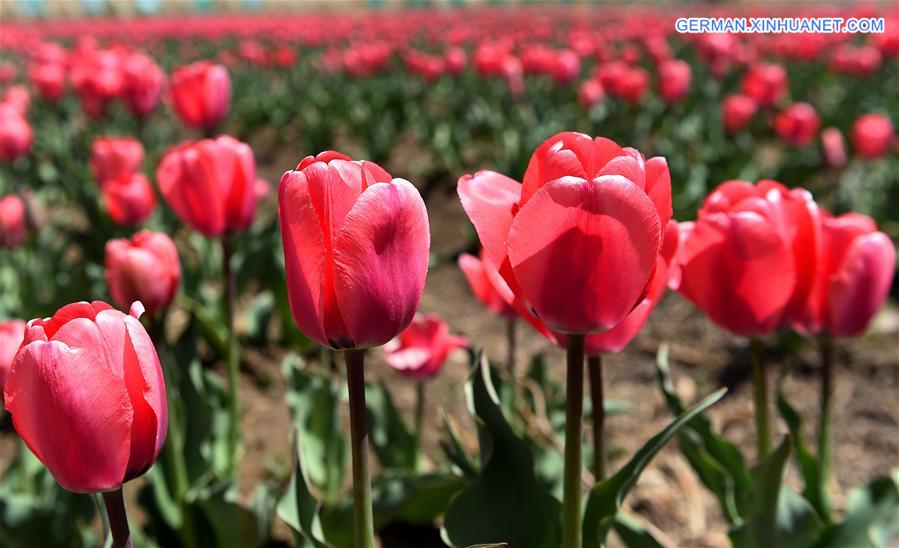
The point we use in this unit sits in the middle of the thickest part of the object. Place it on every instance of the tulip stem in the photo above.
(233, 356)
(594, 367)
(118, 519)
(825, 443)
(419, 420)
(510, 363)
(574, 410)
(363, 522)
(760, 395)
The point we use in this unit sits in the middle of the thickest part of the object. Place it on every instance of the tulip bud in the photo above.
(86, 394)
(13, 225)
(421, 349)
(144, 268)
(872, 135)
(201, 94)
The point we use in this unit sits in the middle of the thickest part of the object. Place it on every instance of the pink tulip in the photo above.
(201, 94)
(87, 396)
(210, 184)
(737, 111)
(129, 199)
(798, 124)
(15, 133)
(11, 334)
(577, 241)
(487, 285)
(144, 268)
(873, 135)
(674, 80)
(13, 221)
(355, 248)
(144, 81)
(590, 93)
(115, 157)
(455, 59)
(833, 145)
(421, 349)
(766, 83)
(49, 79)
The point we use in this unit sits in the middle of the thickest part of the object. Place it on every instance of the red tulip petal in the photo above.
(658, 187)
(859, 288)
(617, 338)
(490, 200)
(381, 261)
(146, 389)
(582, 251)
(628, 167)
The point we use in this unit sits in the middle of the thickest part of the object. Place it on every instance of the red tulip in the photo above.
(87, 396)
(18, 97)
(590, 93)
(210, 184)
(578, 240)
(355, 249)
(854, 272)
(798, 124)
(49, 79)
(201, 94)
(749, 260)
(421, 349)
(674, 80)
(633, 85)
(15, 133)
(7, 72)
(737, 111)
(566, 66)
(872, 135)
(143, 84)
(766, 83)
(834, 147)
(11, 334)
(487, 285)
(455, 60)
(144, 268)
(13, 221)
(115, 157)
(129, 199)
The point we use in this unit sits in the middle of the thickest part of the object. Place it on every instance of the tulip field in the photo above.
(416, 276)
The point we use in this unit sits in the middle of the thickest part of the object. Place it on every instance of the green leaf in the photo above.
(231, 524)
(605, 498)
(872, 516)
(633, 533)
(298, 508)
(455, 451)
(506, 502)
(393, 441)
(718, 463)
(815, 488)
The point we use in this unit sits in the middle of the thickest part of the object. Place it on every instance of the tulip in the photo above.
(766, 83)
(455, 60)
(115, 157)
(144, 268)
(13, 221)
(421, 349)
(129, 199)
(601, 211)
(356, 253)
(872, 135)
(737, 111)
(143, 84)
(209, 184)
(201, 94)
(7, 72)
(12, 332)
(590, 93)
(87, 396)
(633, 85)
(674, 80)
(49, 79)
(487, 285)
(15, 133)
(798, 124)
(18, 97)
(834, 147)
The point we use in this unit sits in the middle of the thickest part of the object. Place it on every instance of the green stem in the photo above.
(825, 443)
(233, 356)
(118, 519)
(419, 420)
(363, 523)
(510, 362)
(760, 396)
(594, 367)
(574, 410)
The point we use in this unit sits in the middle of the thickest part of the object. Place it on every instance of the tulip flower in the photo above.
(115, 157)
(590, 93)
(143, 84)
(601, 211)
(421, 349)
(12, 332)
(129, 199)
(737, 111)
(13, 221)
(766, 83)
(18, 97)
(455, 59)
(15, 133)
(87, 396)
(356, 247)
(674, 80)
(144, 268)
(873, 135)
(48, 79)
(201, 94)
(833, 145)
(798, 124)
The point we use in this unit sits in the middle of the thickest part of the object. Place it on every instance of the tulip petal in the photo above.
(146, 389)
(73, 413)
(861, 286)
(588, 263)
(491, 201)
(658, 187)
(381, 261)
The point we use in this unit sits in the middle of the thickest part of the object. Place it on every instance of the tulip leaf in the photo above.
(393, 441)
(633, 533)
(505, 502)
(314, 400)
(224, 519)
(776, 515)
(298, 508)
(455, 451)
(718, 463)
(872, 516)
(814, 489)
(605, 499)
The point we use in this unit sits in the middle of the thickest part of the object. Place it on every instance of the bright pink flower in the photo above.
(129, 199)
(210, 184)
(833, 146)
(674, 80)
(872, 135)
(356, 247)
(487, 285)
(566, 66)
(421, 349)
(853, 276)
(15, 133)
(455, 60)
(766, 83)
(737, 111)
(11, 334)
(49, 79)
(798, 124)
(590, 93)
(115, 157)
(144, 268)
(577, 241)
(749, 260)
(144, 81)
(13, 221)
(87, 396)
(633, 85)
(18, 97)
(201, 94)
